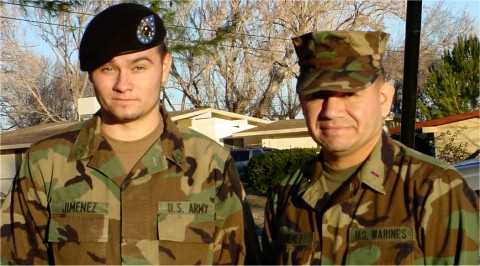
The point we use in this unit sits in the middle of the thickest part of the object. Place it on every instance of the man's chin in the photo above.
(336, 148)
(120, 118)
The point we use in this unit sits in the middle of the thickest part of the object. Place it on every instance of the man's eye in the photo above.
(139, 68)
(107, 69)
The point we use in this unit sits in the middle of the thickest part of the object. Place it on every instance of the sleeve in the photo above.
(25, 219)
(448, 220)
(229, 208)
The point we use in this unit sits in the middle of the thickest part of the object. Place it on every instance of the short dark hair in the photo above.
(162, 48)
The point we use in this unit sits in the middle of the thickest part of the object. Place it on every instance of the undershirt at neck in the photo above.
(130, 152)
(335, 178)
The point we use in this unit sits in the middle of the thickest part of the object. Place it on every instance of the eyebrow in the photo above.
(136, 60)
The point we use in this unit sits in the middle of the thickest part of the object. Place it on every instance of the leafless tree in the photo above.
(36, 89)
(252, 70)
(234, 55)
(23, 80)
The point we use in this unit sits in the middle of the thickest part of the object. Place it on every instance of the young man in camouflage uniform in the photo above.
(366, 199)
(128, 186)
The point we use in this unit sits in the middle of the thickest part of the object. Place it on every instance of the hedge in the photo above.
(267, 169)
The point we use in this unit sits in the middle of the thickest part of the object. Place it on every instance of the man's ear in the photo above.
(386, 92)
(166, 64)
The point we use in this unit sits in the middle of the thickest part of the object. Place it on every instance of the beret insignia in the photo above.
(146, 29)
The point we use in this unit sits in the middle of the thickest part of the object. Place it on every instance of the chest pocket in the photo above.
(297, 247)
(185, 232)
(78, 238)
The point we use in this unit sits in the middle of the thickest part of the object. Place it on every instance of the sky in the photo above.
(397, 27)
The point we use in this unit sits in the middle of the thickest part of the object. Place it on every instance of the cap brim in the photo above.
(335, 81)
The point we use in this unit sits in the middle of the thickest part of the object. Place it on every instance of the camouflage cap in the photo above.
(346, 61)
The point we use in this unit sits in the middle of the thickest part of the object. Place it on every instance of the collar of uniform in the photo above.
(311, 189)
(172, 141)
(90, 138)
(373, 170)
(372, 173)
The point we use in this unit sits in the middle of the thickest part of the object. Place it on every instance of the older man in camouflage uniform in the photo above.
(128, 186)
(366, 199)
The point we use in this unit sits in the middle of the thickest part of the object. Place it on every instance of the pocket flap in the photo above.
(186, 221)
(289, 236)
(78, 227)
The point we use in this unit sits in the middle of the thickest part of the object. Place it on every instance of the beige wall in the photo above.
(253, 141)
(289, 142)
(466, 131)
(185, 123)
(284, 141)
(218, 128)
(9, 162)
(87, 106)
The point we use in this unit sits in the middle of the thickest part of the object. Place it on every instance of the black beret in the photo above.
(119, 29)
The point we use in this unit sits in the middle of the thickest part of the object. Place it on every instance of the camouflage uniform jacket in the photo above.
(180, 204)
(400, 207)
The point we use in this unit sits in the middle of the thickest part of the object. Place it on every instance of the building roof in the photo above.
(441, 121)
(298, 125)
(24, 137)
(179, 115)
(184, 112)
(277, 127)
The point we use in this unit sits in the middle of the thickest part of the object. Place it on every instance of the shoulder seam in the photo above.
(74, 129)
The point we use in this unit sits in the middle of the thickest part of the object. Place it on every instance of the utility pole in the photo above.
(410, 71)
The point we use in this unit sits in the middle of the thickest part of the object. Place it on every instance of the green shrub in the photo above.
(267, 169)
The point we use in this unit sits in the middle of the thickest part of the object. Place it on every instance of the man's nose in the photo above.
(123, 81)
(333, 106)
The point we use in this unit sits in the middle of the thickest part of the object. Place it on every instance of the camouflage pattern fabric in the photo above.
(345, 61)
(180, 204)
(401, 207)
